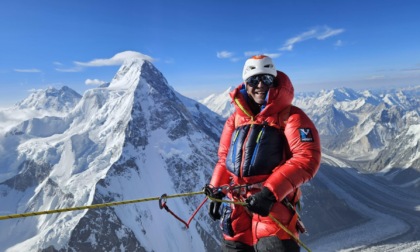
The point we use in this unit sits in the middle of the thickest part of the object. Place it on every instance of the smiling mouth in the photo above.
(261, 93)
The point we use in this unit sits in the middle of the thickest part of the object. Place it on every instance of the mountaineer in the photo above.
(268, 149)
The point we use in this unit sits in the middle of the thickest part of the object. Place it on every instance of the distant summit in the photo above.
(60, 100)
(220, 103)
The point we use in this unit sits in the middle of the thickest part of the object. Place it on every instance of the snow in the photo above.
(86, 139)
(74, 176)
(380, 227)
(221, 104)
(351, 105)
(83, 144)
(10, 117)
(414, 130)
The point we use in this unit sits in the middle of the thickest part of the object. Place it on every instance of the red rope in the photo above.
(162, 204)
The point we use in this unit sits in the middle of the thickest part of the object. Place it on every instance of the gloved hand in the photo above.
(214, 206)
(214, 209)
(261, 202)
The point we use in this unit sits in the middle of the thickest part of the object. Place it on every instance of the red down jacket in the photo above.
(300, 162)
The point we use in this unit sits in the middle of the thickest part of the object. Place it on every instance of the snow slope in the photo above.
(132, 139)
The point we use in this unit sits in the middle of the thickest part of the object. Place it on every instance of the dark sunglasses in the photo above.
(266, 79)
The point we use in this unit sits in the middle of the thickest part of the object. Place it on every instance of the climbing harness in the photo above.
(240, 190)
(234, 190)
(162, 204)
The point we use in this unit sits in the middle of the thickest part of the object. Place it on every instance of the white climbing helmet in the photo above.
(258, 64)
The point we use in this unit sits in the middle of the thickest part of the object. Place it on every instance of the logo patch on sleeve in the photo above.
(306, 135)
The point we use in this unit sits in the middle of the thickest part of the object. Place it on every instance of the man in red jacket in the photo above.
(268, 149)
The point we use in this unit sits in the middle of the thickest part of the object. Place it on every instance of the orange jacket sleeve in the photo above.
(305, 147)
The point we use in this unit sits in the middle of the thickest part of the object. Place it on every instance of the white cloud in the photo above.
(229, 55)
(328, 32)
(235, 59)
(253, 53)
(169, 61)
(31, 70)
(116, 60)
(319, 33)
(376, 77)
(338, 43)
(94, 82)
(224, 54)
(70, 70)
(413, 70)
(273, 55)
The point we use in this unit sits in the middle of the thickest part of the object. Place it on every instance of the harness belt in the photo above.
(240, 191)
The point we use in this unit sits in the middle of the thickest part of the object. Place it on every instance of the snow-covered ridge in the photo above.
(40, 103)
(135, 137)
(220, 103)
(61, 100)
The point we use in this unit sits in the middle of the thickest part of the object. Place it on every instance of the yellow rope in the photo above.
(285, 229)
(23, 215)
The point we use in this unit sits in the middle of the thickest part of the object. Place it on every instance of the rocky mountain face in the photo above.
(376, 130)
(135, 138)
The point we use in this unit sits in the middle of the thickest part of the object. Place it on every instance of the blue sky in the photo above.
(200, 46)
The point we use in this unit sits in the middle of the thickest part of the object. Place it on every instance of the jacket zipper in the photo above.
(234, 147)
(241, 168)
(252, 119)
(254, 155)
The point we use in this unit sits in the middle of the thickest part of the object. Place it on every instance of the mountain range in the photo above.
(375, 131)
(136, 137)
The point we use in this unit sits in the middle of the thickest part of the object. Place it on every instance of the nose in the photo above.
(260, 84)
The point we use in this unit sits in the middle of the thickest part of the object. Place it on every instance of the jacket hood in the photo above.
(278, 98)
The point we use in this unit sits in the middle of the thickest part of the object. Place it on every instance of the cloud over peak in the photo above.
(319, 33)
(116, 60)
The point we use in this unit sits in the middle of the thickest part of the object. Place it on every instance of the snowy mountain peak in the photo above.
(60, 100)
(342, 94)
(135, 138)
(135, 72)
(130, 70)
(220, 103)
